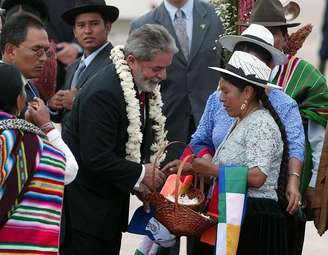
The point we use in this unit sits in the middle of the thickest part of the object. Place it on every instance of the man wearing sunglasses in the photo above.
(24, 43)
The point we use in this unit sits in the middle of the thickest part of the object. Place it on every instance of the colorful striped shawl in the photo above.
(33, 226)
(304, 83)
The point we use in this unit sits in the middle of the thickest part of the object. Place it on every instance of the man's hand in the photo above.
(55, 102)
(67, 98)
(293, 194)
(67, 53)
(160, 177)
(37, 112)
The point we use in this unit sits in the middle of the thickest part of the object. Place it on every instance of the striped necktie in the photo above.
(77, 74)
(180, 26)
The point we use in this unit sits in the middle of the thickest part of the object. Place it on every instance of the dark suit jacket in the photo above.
(96, 65)
(98, 199)
(188, 84)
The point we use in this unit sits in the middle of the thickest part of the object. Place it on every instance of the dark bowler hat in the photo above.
(269, 13)
(38, 5)
(110, 13)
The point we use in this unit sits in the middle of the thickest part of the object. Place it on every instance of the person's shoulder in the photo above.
(279, 97)
(106, 82)
(261, 120)
(50, 151)
(147, 18)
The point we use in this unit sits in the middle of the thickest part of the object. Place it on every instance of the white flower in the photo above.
(133, 145)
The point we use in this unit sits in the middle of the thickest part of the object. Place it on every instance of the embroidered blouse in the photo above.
(254, 142)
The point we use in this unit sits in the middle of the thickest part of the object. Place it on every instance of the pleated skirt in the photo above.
(264, 230)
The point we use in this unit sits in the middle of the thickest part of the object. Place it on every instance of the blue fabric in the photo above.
(215, 123)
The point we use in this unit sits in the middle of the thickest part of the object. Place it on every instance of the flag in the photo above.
(232, 200)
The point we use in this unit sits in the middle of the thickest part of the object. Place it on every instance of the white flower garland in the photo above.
(133, 144)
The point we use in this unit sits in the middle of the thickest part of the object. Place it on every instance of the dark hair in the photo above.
(22, 9)
(261, 96)
(284, 31)
(15, 30)
(11, 86)
(265, 55)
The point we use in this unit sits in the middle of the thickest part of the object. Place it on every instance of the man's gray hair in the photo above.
(146, 42)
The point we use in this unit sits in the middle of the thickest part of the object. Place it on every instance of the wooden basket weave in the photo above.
(179, 219)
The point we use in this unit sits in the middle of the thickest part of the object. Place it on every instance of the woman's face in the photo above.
(231, 97)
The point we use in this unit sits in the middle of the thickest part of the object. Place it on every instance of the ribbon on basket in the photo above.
(232, 183)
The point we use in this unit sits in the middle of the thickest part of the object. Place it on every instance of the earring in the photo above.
(243, 106)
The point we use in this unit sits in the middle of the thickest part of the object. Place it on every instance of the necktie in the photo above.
(180, 26)
(77, 74)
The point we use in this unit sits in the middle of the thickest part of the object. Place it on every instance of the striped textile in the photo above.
(232, 197)
(304, 83)
(33, 226)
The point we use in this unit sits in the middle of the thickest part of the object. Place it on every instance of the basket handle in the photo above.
(176, 195)
(158, 156)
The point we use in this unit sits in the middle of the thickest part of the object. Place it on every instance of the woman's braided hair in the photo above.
(283, 174)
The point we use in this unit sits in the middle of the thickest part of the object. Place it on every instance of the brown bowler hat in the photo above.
(84, 6)
(269, 13)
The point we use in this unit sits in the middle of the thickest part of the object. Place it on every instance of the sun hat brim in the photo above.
(229, 42)
(270, 24)
(264, 85)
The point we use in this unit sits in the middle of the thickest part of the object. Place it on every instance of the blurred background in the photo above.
(312, 12)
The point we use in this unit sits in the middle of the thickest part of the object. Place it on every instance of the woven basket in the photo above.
(179, 219)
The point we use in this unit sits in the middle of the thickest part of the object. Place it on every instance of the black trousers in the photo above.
(79, 243)
(295, 234)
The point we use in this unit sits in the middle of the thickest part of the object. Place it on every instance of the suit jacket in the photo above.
(97, 63)
(98, 199)
(188, 83)
(320, 202)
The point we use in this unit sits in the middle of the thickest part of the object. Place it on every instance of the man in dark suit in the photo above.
(91, 22)
(189, 81)
(113, 139)
(24, 43)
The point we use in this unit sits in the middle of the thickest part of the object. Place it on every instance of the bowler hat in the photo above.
(110, 13)
(247, 67)
(38, 5)
(269, 13)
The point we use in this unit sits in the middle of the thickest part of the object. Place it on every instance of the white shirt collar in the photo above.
(187, 9)
(87, 60)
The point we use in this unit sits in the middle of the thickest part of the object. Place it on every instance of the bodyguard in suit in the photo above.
(91, 21)
(195, 27)
(115, 129)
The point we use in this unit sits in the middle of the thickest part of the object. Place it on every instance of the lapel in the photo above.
(201, 24)
(94, 66)
(162, 17)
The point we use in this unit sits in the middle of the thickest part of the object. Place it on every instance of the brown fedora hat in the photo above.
(84, 6)
(269, 13)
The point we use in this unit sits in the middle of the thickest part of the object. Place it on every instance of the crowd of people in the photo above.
(68, 192)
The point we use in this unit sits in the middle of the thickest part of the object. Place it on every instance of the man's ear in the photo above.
(10, 52)
(108, 26)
